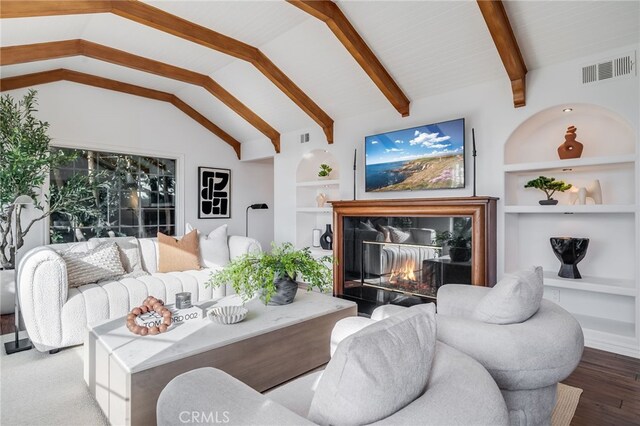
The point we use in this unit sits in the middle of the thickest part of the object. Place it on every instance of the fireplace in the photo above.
(396, 266)
(392, 251)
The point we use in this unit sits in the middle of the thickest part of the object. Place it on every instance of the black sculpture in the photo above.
(569, 251)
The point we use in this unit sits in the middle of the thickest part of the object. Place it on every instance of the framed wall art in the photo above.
(214, 200)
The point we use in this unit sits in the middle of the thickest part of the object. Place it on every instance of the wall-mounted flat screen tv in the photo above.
(419, 158)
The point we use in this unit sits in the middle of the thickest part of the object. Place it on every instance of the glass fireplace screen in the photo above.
(410, 255)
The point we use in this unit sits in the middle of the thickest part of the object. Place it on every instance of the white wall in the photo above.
(488, 108)
(86, 117)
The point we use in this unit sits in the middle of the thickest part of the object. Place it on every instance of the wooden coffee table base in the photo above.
(262, 362)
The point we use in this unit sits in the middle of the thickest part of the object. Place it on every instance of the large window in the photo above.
(134, 196)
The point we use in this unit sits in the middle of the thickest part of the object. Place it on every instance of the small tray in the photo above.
(227, 314)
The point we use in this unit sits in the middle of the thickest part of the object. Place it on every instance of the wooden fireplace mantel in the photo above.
(482, 211)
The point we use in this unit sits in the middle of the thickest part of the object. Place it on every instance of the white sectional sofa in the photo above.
(56, 315)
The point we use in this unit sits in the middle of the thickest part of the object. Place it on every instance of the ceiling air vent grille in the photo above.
(589, 74)
(605, 70)
(623, 66)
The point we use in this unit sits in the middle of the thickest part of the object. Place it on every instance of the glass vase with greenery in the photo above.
(273, 274)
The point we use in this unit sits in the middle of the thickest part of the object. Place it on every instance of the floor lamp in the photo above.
(25, 344)
(246, 216)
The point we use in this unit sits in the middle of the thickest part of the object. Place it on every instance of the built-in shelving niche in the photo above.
(308, 186)
(605, 300)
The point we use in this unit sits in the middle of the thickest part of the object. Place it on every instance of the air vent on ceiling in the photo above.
(304, 138)
(622, 66)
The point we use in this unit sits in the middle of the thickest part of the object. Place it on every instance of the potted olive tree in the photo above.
(25, 162)
(273, 275)
(549, 186)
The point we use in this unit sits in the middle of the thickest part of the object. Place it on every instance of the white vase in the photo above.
(7, 291)
(595, 191)
(321, 199)
(582, 196)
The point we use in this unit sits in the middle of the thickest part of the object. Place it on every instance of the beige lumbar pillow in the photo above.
(97, 264)
(378, 370)
(514, 299)
(178, 255)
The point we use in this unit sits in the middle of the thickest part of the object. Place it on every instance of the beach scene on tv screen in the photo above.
(425, 157)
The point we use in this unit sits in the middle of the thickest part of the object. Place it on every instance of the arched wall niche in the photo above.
(603, 133)
(309, 165)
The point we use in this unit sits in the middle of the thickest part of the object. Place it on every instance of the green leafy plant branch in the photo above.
(325, 170)
(254, 273)
(25, 162)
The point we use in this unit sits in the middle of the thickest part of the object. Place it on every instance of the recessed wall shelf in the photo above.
(319, 183)
(308, 188)
(567, 164)
(621, 286)
(598, 324)
(571, 209)
(606, 307)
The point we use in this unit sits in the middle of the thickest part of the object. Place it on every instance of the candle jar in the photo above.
(183, 300)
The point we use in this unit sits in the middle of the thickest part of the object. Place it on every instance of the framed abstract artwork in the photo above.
(214, 200)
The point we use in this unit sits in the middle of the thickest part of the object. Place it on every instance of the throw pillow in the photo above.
(514, 299)
(369, 378)
(178, 255)
(367, 226)
(385, 232)
(129, 252)
(214, 247)
(397, 235)
(97, 264)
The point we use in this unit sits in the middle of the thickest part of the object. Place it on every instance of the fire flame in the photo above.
(405, 273)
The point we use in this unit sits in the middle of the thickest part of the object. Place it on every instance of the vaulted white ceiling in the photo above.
(428, 47)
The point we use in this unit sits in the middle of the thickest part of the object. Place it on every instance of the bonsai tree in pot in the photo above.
(25, 163)
(549, 186)
(273, 275)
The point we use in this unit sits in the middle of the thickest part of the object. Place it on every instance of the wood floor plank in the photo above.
(611, 389)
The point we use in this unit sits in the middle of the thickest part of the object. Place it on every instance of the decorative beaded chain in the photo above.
(150, 304)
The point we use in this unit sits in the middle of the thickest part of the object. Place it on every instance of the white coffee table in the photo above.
(274, 344)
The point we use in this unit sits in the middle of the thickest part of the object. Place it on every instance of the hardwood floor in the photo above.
(7, 324)
(610, 383)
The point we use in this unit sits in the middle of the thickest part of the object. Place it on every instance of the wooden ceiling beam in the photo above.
(29, 8)
(10, 55)
(502, 34)
(148, 15)
(145, 14)
(329, 12)
(28, 80)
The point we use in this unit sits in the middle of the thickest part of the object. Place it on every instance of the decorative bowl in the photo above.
(227, 314)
